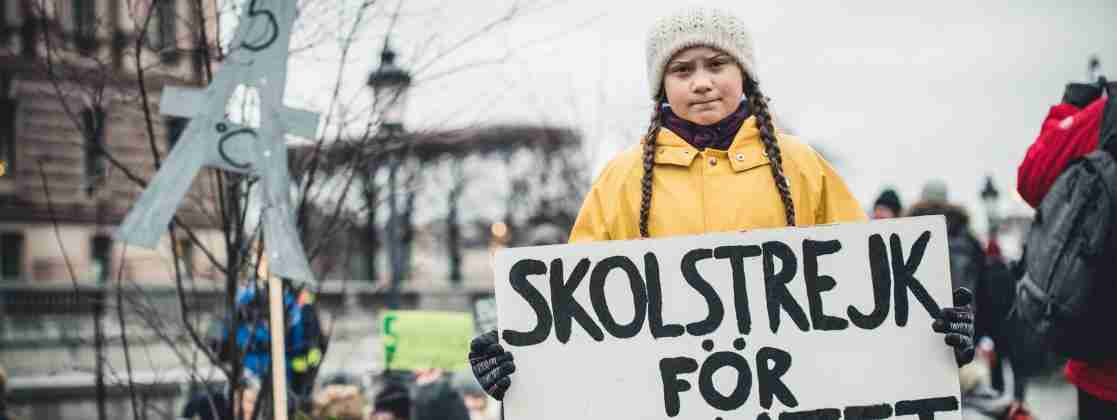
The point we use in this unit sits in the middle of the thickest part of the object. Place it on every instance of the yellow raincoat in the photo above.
(696, 192)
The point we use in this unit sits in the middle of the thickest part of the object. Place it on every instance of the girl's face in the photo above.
(883, 212)
(703, 85)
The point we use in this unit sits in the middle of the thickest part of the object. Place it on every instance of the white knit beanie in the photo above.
(701, 26)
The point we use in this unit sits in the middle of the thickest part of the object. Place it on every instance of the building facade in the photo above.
(79, 126)
(80, 82)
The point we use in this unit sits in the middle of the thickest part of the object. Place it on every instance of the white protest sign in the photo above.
(829, 322)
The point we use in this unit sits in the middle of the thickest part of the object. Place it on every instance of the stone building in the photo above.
(70, 101)
(69, 93)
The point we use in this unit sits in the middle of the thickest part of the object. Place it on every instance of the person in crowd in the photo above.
(711, 161)
(208, 406)
(476, 401)
(211, 404)
(435, 398)
(967, 255)
(339, 402)
(3, 393)
(1072, 129)
(887, 205)
(973, 268)
(392, 402)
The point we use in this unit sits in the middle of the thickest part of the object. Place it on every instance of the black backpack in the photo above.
(1068, 299)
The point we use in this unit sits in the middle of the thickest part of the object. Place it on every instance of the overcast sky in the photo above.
(897, 92)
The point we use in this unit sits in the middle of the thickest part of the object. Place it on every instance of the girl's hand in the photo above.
(491, 364)
(957, 324)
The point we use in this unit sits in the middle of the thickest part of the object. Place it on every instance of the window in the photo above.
(186, 258)
(162, 31)
(175, 126)
(101, 257)
(8, 108)
(93, 129)
(5, 35)
(11, 255)
(198, 63)
(85, 24)
(29, 32)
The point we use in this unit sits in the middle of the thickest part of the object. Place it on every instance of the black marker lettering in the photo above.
(823, 414)
(776, 285)
(230, 136)
(517, 276)
(927, 407)
(868, 412)
(904, 273)
(564, 305)
(601, 306)
(882, 283)
(816, 284)
(713, 303)
(670, 369)
(769, 380)
(740, 394)
(736, 255)
(273, 33)
(655, 301)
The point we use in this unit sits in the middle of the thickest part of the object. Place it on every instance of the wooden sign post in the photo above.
(278, 347)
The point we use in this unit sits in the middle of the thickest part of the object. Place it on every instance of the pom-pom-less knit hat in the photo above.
(888, 198)
(692, 27)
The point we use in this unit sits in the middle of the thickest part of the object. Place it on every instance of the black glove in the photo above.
(957, 324)
(491, 364)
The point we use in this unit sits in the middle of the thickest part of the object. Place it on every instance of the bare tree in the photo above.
(105, 67)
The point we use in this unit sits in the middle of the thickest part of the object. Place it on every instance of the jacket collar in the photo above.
(717, 136)
(746, 152)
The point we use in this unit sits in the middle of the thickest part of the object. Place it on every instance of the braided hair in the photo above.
(649, 166)
(758, 105)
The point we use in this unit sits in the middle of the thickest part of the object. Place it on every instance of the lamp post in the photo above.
(389, 85)
(1093, 72)
(990, 197)
(499, 235)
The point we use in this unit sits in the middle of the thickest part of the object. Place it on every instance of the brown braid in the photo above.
(758, 104)
(649, 166)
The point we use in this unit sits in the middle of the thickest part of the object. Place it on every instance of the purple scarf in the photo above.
(718, 136)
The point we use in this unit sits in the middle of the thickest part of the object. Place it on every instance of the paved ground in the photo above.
(1052, 398)
(1047, 395)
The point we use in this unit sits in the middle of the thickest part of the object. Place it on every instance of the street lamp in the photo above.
(1093, 70)
(989, 197)
(389, 85)
(499, 232)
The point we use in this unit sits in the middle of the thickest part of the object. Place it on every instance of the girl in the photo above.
(711, 161)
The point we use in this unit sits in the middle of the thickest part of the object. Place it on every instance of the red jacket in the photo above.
(1098, 379)
(1067, 133)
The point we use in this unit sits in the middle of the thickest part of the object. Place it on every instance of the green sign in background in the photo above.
(426, 339)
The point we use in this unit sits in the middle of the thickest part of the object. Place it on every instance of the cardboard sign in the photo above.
(830, 322)
(426, 339)
(257, 59)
